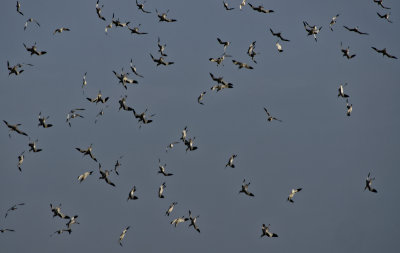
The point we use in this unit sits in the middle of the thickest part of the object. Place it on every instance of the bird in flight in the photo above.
(87, 151)
(385, 16)
(59, 232)
(56, 210)
(349, 108)
(20, 160)
(98, 99)
(161, 190)
(355, 29)
(346, 52)
(33, 50)
(245, 189)
(278, 34)
(384, 52)
(200, 98)
(171, 208)
(141, 7)
(123, 78)
(14, 128)
(84, 176)
(19, 8)
(224, 43)
(379, 2)
(142, 117)
(15, 69)
(122, 236)
(133, 68)
(161, 47)
(271, 118)
(312, 30)
(193, 221)
(104, 175)
(251, 52)
(162, 169)
(136, 30)
(32, 146)
(279, 47)
(333, 21)
(230, 161)
(131, 194)
(341, 91)
(122, 104)
(171, 145)
(2, 230)
(260, 8)
(13, 208)
(292, 193)
(220, 59)
(368, 184)
(42, 121)
(226, 6)
(60, 30)
(242, 65)
(30, 20)
(178, 220)
(98, 10)
(161, 61)
(266, 232)
(163, 17)
(72, 114)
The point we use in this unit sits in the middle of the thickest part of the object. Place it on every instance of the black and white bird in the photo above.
(341, 91)
(219, 60)
(178, 220)
(42, 121)
(72, 220)
(368, 184)
(333, 21)
(384, 53)
(98, 10)
(292, 193)
(251, 52)
(60, 30)
(271, 118)
(161, 47)
(123, 78)
(379, 2)
(385, 16)
(161, 61)
(98, 99)
(141, 7)
(230, 161)
(122, 104)
(33, 147)
(163, 17)
(133, 68)
(260, 9)
(161, 169)
(312, 30)
(349, 108)
(346, 52)
(59, 232)
(30, 20)
(242, 65)
(193, 221)
(142, 118)
(14, 128)
(135, 30)
(131, 195)
(200, 98)
(19, 8)
(2, 230)
(84, 176)
(33, 50)
(356, 30)
(224, 43)
(279, 47)
(171, 208)
(245, 189)
(171, 145)
(122, 236)
(56, 210)
(20, 160)
(266, 232)
(161, 190)
(104, 175)
(87, 151)
(279, 35)
(73, 114)
(15, 69)
(226, 6)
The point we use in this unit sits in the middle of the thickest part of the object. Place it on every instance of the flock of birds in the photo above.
(145, 117)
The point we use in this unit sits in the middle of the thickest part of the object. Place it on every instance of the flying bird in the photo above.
(266, 232)
(60, 30)
(98, 10)
(104, 175)
(242, 4)
(141, 7)
(200, 98)
(122, 104)
(193, 221)
(42, 121)
(279, 47)
(133, 68)
(245, 189)
(161, 47)
(251, 52)
(142, 119)
(73, 114)
(385, 16)
(162, 169)
(16, 68)
(260, 8)
(312, 30)
(176, 221)
(163, 17)
(349, 108)
(98, 99)
(161, 190)
(87, 151)
(278, 34)
(33, 50)
(14, 128)
(123, 78)
(30, 20)
(189, 144)
(292, 193)
(333, 21)
(230, 161)
(59, 232)
(224, 43)
(355, 29)
(122, 236)
(242, 65)
(379, 2)
(84, 176)
(171, 145)
(171, 208)
(131, 194)
(2, 230)
(220, 59)
(56, 210)
(341, 91)
(32, 147)
(20, 160)
(271, 118)
(117, 164)
(13, 208)
(136, 30)
(346, 52)
(368, 184)
(384, 52)
(161, 61)
(226, 6)
(19, 8)
(72, 220)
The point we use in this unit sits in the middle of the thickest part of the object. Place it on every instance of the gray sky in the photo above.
(316, 147)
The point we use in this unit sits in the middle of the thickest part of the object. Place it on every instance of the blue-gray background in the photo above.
(316, 147)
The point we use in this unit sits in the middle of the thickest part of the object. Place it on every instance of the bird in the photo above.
(84, 82)
(142, 119)
(15, 69)
(245, 189)
(84, 176)
(141, 7)
(104, 175)
(292, 193)
(72, 220)
(242, 4)
(384, 52)
(98, 99)
(100, 113)
(20, 160)
(161, 61)
(279, 47)
(14, 128)
(162, 169)
(230, 161)
(178, 220)
(171, 145)
(136, 30)
(333, 21)
(32, 146)
(189, 144)
(121, 237)
(117, 164)
(33, 50)
(69, 230)
(56, 210)
(226, 6)
(385, 16)
(278, 34)
(133, 68)
(2, 230)
(171, 208)
(118, 23)
(312, 30)
(200, 98)
(184, 132)
(87, 151)
(193, 221)
(260, 8)
(123, 78)
(355, 29)
(251, 52)
(109, 26)
(60, 30)
(270, 118)
(163, 17)
(161, 190)
(349, 108)
(346, 52)
(42, 121)
(341, 91)
(368, 184)
(131, 194)
(220, 59)
(19, 8)
(73, 114)
(242, 65)
(161, 47)
(13, 208)
(122, 104)
(221, 86)
(224, 43)
(30, 20)
(98, 10)
(266, 232)
(379, 2)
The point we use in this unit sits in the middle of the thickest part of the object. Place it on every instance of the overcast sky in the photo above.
(316, 146)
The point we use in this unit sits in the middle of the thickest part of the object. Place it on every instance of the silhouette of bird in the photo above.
(98, 99)
(56, 210)
(379, 2)
(292, 193)
(13, 208)
(226, 6)
(122, 104)
(312, 30)
(193, 221)
(87, 151)
(224, 43)
(230, 161)
(161, 190)
(163, 17)
(123, 78)
(161, 47)
(161, 61)
(220, 59)
(333, 21)
(61, 29)
(266, 232)
(141, 7)
(270, 118)
(33, 50)
(162, 169)
(142, 118)
(59, 232)
(131, 194)
(42, 121)
(15, 69)
(178, 220)
(32, 146)
(368, 184)
(355, 29)
(200, 98)
(346, 52)
(278, 34)
(245, 189)
(98, 10)
(19, 8)
(104, 175)
(2, 230)
(251, 52)
(117, 164)
(73, 114)
(260, 8)
(136, 30)
(122, 236)
(341, 91)
(349, 108)
(14, 128)
(20, 160)
(242, 65)
(384, 52)
(385, 16)
(30, 20)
